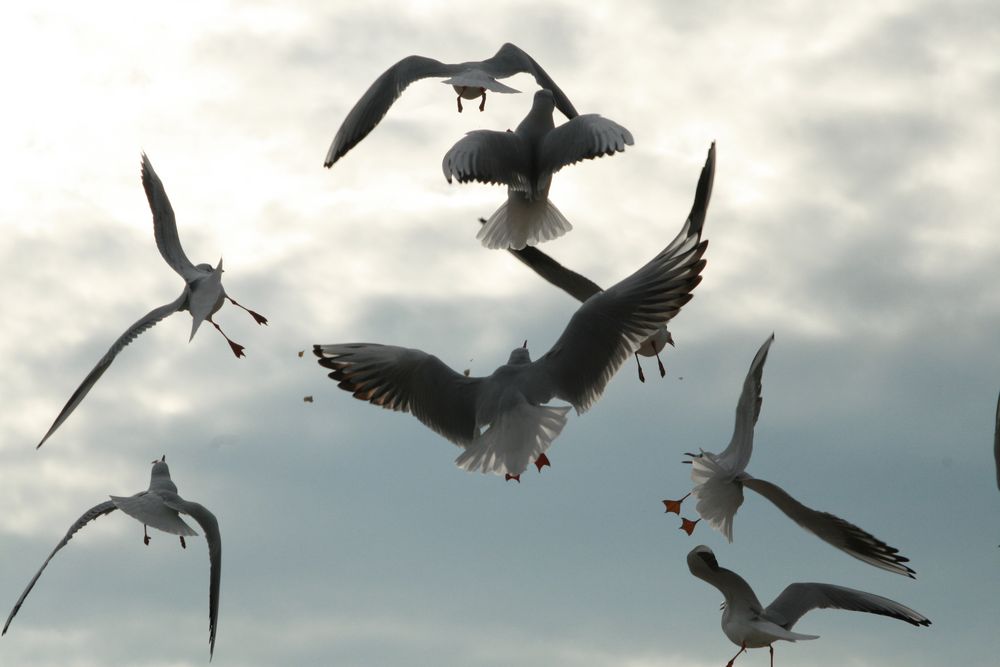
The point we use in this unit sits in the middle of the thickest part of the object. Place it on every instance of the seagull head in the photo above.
(160, 469)
(520, 355)
(701, 561)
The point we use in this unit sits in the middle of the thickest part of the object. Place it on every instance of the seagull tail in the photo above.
(521, 221)
(514, 440)
(719, 492)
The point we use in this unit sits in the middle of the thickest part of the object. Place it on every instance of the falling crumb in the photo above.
(307, 399)
(301, 352)
(466, 372)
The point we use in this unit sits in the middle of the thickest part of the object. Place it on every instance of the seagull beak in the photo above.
(525, 345)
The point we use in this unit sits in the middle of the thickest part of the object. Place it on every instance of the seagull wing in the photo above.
(375, 103)
(94, 512)
(736, 456)
(611, 325)
(147, 321)
(996, 442)
(409, 380)
(511, 60)
(210, 526)
(703, 192)
(164, 224)
(489, 157)
(833, 530)
(150, 509)
(799, 598)
(582, 138)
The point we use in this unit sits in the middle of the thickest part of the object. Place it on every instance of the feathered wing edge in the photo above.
(94, 512)
(799, 598)
(833, 530)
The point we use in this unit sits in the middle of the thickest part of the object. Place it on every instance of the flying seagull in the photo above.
(159, 507)
(525, 160)
(203, 293)
(582, 288)
(720, 479)
(470, 80)
(748, 624)
(511, 403)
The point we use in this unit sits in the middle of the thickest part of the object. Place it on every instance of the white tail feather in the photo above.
(718, 491)
(520, 222)
(514, 440)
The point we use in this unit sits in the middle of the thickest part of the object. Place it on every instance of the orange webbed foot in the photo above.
(517, 478)
(674, 505)
(688, 526)
(542, 461)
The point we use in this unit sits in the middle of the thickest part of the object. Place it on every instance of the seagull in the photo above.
(582, 288)
(720, 479)
(510, 404)
(524, 160)
(203, 293)
(470, 80)
(159, 507)
(749, 625)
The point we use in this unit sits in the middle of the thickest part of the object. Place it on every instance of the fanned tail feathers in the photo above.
(514, 440)
(719, 493)
(520, 222)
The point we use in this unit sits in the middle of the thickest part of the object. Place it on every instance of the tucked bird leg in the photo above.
(542, 461)
(687, 525)
(183, 543)
(642, 378)
(770, 649)
(674, 505)
(236, 347)
(482, 105)
(743, 649)
(459, 100)
(258, 318)
(145, 535)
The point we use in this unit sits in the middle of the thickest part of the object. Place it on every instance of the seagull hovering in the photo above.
(510, 404)
(525, 160)
(720, 478)
(203, 293)
(582, 288)
(469, 80)
(748, 624)
(159, 507)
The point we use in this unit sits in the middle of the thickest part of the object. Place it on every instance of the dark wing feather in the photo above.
(799, 598)
(147, 321)
(510, 60)
(380, 96)
(408, 380)
(582, 138)
(164, 224)
(833, 530)
(210, 526)
(94, 512)
(489, 157)
(611, 325)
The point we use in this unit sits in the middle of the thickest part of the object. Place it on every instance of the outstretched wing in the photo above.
(582, 138)
(833, 530)
(736, 455)
(164, 224)
(611, 325)
(409, 380)
(577, 286)
(511, 60)
(147, 321)
(375, 103)
(799, 598)
(94, 512)
(489, 157)
(210, 526)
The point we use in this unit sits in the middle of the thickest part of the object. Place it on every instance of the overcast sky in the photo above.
(854, 215)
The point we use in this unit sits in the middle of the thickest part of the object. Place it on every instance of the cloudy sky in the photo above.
(854, 215)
